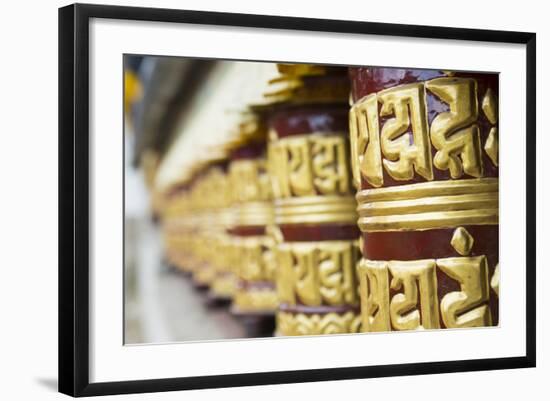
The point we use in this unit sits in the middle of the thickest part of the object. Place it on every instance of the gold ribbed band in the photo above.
(429, 205)
(316, 209)
(255, 214)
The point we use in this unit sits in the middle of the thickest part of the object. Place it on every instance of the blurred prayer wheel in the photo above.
(424, 147)
(175, 227)
(204, 218)
(204, 215)
(315, 208)
(223, 285)
(255, 298)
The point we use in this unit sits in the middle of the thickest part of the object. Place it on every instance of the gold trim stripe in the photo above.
(255, 214)
(427, 221)
(432, 188)
(309, 136)
(429, 205)
(316, 209)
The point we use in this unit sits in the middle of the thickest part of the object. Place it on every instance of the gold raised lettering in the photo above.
(375, 295)
(329, 170)
(418, 281)
(405, 152)
(366, 159)
(317, 273)
(455, 134)
(467, 307)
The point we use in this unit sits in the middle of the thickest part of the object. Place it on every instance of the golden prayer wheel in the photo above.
(209, 227)
(174, 224)
(224, 283)
(424, 147)
(315, 208)
(253, 256)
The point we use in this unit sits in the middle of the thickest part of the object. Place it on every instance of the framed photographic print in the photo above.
(251, 199)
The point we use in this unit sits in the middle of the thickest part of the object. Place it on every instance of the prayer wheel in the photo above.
(315, 208)
(175, 225)
(224, 283)
(205, 227)
(424, 150)
(252, 253)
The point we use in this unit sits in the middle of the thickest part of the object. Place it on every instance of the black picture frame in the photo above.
(74, 191)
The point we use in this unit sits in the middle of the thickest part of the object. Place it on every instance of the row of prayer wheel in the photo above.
(355, 199)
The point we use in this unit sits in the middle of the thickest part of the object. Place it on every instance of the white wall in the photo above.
(28, 229)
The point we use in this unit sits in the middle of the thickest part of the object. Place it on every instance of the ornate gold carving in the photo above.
(418, 282)
(413, 308)
(467, 307)
(429, 205)
(375, 295)
(416, 305)
(489, 105)
(365, 148)
(316, 209)
(401, 155)
(404, 152)
(491, 145)
(289, 324)
(401, 145)
(249, 180)
(455, 134)
(264, 299)
(311, 180)
(462, 241)
(330, 176)
(307, 165)
(490, 109)
(256, 258)
(299, 173)
(252, 257)
(495, 280)
(317, 273)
